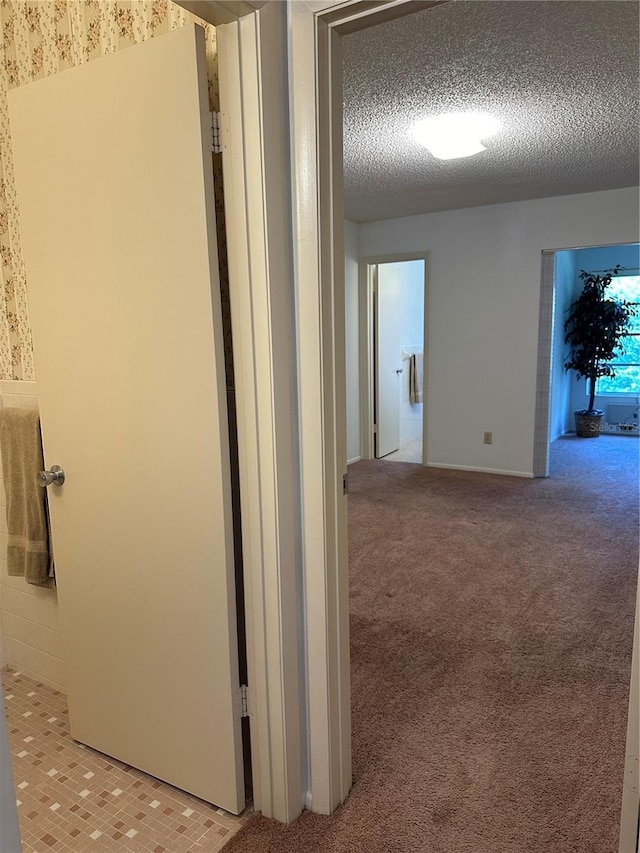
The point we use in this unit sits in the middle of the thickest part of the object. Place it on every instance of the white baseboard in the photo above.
(480, 470)
(355, 459)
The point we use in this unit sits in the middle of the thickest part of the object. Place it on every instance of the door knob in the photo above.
(399, 371)
(55, 476)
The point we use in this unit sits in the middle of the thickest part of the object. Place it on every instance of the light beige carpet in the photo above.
(491, 628)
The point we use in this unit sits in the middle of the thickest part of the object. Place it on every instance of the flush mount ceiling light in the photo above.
(451, 135)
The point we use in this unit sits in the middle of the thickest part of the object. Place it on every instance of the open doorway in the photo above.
(561, 393)
(482, 361)
(398, 359)
(482, 351)
(390, 366)
(485, 276)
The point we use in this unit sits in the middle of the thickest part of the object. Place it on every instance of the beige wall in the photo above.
(28, 613)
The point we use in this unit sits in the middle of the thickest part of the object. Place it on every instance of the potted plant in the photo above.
(593, 331)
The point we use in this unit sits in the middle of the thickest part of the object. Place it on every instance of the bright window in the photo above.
(626, 364)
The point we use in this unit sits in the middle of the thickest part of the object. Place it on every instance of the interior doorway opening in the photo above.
(398, 360)
(318, 229)
(561, 393)
(393, 357)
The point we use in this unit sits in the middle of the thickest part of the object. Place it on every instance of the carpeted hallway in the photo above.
(491, 633)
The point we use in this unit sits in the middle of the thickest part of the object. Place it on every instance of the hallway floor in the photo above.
(491, 635)
(73, 799)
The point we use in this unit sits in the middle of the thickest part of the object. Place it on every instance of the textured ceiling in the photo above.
(561, 76)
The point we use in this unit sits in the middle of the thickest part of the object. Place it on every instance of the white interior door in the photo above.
(115, 185)
(388, 359)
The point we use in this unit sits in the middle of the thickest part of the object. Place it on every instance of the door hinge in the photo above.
(244, 701)
(345, 484)
(375, 429)
(216, 144)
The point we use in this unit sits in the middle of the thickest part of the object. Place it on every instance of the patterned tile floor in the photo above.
(72, 798)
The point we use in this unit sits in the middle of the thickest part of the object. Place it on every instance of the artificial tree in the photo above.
(593, 331)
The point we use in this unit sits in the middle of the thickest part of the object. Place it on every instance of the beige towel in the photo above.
(416, 382)
(21, 446)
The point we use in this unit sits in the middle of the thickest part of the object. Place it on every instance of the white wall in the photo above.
(483, 316)
(410, 275)
(411, 300)
(351, 340)
(565, 289)
(28, 612)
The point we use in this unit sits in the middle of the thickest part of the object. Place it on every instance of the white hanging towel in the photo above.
(416, 381)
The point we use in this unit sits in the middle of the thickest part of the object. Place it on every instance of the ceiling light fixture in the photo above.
(451, 135)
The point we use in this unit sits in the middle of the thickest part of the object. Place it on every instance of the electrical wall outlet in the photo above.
(488, 438)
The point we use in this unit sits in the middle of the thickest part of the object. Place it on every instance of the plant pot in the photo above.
(588, 423)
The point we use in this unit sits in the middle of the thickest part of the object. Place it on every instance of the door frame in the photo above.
(284, 179)
(310, 134)
(547, 324)
(546, 319)
(317, 181)
(366, 285)
(256, 171)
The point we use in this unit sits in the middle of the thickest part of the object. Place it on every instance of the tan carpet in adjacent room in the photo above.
(491, 634)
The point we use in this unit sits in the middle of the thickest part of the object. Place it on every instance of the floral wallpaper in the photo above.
(39, 38)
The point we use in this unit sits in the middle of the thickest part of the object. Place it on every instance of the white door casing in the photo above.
(282, 169)
(315, 100)
(389, 367)
(255, 143)
(280, 117)
(116, 191)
